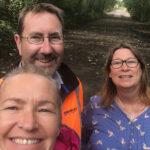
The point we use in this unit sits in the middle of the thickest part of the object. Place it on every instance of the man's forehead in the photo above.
(43, 21)
(31, 15)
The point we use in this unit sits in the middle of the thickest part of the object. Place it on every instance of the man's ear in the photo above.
(18, 43)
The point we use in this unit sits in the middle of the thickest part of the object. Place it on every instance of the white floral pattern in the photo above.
(111, 129)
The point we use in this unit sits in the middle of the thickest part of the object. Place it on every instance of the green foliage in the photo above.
(139, 9)
(6, 40)
(81, 11)
(76, 12)
(109, 4)
(120, 3)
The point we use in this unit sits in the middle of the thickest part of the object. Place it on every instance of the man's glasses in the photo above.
(54, 38)
(131, 62)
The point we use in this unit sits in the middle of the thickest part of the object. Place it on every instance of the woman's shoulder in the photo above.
(95, 99)
(94, 102)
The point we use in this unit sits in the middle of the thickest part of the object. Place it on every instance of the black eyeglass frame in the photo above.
(126, 62)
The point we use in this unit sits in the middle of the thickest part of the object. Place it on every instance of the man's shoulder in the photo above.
(68, 77)
(64, 71)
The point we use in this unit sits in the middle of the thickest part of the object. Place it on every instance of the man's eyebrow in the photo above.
(55, 33)
(35, 33)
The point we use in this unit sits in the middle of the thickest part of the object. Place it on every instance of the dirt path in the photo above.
(86, 48)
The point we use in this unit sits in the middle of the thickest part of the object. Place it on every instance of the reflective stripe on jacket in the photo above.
(72, 101)
(1, 80)
(72, 108)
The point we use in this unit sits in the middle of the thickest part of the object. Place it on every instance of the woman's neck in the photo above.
(130, 103)
(129, 96)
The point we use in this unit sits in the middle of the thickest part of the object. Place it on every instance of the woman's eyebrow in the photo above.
(44, 102)
(14, 99)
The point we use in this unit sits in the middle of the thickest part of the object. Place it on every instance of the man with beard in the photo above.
(40, 42)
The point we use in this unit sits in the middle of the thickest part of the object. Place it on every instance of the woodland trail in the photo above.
(86, 47)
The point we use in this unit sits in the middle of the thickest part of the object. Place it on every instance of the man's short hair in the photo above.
(38, 8)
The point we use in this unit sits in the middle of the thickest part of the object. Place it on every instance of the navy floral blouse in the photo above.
(111, 129)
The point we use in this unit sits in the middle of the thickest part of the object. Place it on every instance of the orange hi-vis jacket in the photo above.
(72, 100)
(1, 80)
(72, 97)
(72, 108)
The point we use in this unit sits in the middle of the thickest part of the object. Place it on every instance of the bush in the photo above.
(6, 40)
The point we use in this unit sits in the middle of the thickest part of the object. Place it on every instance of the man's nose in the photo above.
(46, 46)
(28, 121)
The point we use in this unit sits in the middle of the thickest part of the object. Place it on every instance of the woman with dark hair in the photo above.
(118, 117)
